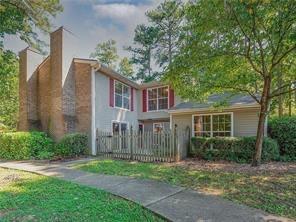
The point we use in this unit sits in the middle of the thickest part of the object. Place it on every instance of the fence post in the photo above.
(177, 144)
(97, 141)
(131, 143)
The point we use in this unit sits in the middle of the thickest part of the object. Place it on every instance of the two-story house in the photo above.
(61, 94)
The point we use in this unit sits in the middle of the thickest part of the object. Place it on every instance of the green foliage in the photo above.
(25, 145)
(126, 68)
(72, 145)
(238, 149)
(231, 45)
(145, 41)
(167, 19)
(30, 197)
(22, 17)
(8, 90)
(283, 130)
(106, 53)
(238, 47)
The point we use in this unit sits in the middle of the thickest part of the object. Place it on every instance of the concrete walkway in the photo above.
(172, 202)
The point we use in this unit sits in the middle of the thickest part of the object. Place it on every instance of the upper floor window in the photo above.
(122, 95)
(213, 125)
(158, 98)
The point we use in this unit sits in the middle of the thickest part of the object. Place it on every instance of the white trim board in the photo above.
(93, 113)
(211, 115)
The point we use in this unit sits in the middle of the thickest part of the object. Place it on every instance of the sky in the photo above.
(94, 21)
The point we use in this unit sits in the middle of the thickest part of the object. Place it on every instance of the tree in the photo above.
(8, 89)
(144, 43)
(106, 53)
(126, 68)
(237, 46)
(167, 18)
(23, 17)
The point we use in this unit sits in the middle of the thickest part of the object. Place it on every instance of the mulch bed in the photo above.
(225, 166)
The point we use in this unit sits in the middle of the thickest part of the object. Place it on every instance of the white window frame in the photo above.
(122, 99)
(117, 121)
(157, 98)
(211, 115)
(161, 123)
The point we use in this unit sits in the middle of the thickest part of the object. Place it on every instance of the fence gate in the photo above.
(134, 145)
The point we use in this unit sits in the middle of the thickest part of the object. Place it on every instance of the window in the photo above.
(158, 127)
(122, 95)
(119, 127)
(212, 125)
(119, 141)
(158, 98)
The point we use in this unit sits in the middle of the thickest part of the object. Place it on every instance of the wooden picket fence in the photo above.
(134, 145)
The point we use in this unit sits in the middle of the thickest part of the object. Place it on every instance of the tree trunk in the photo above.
(290, 103)
(264, 107)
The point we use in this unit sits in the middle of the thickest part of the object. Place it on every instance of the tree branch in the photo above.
(282, 57)
(281, 93)
(278, 90)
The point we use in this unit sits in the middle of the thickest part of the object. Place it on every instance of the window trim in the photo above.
(162, 124)
(129, 98)
(147, 98)
(117, 121)
(211, 115)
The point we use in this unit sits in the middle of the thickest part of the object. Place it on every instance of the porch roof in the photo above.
(225, 101)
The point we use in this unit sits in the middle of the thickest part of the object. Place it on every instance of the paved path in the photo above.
(172, 202)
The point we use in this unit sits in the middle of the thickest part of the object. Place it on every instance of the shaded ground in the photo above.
(225, 166)
(30, 197)
(270, 187)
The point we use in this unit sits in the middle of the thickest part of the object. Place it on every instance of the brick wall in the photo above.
(28, 75)
(55, 94)
(56, 124)
(83, 96)
(44, 95)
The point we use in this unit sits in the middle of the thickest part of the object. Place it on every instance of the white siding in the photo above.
(245, 121)
(104, 113)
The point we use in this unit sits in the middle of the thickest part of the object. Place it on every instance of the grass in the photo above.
(273, 193)
(31, 197)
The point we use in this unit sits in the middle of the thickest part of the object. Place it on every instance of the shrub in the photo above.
(238, 149)
(24, 145)
(283, 130)
(72, 145)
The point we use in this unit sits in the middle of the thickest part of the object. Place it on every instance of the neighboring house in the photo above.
(63, 94)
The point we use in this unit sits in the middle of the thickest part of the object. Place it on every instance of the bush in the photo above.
(72, 145)
(238, 149)
(24, 145)
(283, 130)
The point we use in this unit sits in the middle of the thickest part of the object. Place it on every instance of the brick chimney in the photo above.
(29, 60)
(62, 52)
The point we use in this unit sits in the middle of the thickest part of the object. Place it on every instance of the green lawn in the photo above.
(30, 197)
(271, 192)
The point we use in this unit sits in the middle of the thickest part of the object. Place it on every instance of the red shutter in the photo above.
(111, 92)
(144, 100)
(132, 99)
(171, 97)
